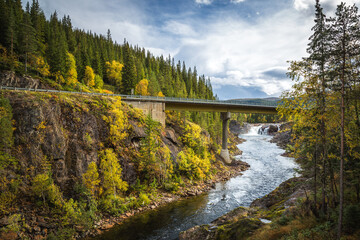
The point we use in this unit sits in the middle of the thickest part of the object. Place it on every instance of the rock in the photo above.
(272, 129)
(197, 232)
(4, 221)
(10, 79)
(236, 128)
(170, 135)
(283, 138)
(107, 226)
(233, 225)
(8, 235)
(281, 193)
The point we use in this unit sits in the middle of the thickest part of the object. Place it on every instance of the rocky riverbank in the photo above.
(245, 223)
(242, 223)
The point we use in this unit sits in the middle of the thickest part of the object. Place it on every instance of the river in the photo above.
(267, 170)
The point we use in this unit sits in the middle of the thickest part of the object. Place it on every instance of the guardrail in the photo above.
(246, 102)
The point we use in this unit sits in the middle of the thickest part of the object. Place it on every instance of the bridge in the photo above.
(156, 106)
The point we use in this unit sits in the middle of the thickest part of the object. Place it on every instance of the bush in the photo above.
(351, 218)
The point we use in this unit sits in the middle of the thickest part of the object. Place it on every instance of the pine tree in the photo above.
(129, 72)
(344, 34)
(28, 41)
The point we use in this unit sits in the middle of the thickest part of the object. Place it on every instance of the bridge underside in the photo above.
(211, 107)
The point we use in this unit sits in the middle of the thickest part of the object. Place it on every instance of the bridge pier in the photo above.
(225, 116)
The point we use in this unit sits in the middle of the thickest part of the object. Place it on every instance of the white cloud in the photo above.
(234, 52)
(206, 2)
(237, 1)
(178, 28)
(328, 5)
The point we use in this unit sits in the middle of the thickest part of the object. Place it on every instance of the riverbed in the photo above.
(267, 170)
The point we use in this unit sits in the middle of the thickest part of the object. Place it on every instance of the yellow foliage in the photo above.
(7, 59)
(142, 88)
(40, 65)
(193, 138)
(111, 171)
(89, 78)
(113, 72)
(118, 122)
(160, 94)
(192, 165)
(71, 76)
(59, 78)
(91, 178)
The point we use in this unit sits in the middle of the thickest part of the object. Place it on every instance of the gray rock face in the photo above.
(283, 137)
(10, 79)
(236, 128)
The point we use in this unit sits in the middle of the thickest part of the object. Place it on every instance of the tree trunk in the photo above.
(341, 206)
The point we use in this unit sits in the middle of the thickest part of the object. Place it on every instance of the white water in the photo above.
(267, 170)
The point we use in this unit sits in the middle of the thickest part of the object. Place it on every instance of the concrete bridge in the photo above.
(156, 106)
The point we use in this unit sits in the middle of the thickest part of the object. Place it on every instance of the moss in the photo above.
(6, 127)
(241, 229)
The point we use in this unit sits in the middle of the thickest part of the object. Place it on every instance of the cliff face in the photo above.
(55, 139)
(68, 132)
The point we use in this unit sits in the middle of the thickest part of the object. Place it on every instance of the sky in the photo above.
(243, 45)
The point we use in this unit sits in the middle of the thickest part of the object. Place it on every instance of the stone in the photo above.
(107, 226)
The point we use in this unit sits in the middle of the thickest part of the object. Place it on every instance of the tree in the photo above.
(142, 88)
(99, 83)
(89, 78)
(344, 34)
(318, 48)
(129, 73)
(111, 173)
(91, 178)
(28, 41)
(114, 73)
(71, 73)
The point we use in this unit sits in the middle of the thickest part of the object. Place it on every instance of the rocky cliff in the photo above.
(58, 136)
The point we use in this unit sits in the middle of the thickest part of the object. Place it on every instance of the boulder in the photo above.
(237, 128)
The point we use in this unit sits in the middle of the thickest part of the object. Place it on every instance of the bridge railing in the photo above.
(241, 102)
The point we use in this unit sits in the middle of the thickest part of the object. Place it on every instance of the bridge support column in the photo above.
(225, 116)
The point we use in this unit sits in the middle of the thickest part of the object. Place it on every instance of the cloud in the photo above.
(237, 1)
(233, 52)
(206, 2)
(328, 5)
(178, 28)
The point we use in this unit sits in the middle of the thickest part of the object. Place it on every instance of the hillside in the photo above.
(68, 162)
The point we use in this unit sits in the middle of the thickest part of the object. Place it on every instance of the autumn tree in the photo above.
(142, 88)
(71, 73)
(91, 178)
(114, 73)
(89, 77)
(111, 173)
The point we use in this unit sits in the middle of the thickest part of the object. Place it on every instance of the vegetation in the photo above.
(323, 105)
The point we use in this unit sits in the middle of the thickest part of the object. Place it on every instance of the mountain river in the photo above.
(267, 170)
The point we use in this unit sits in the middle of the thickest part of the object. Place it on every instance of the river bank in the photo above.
(168, 221)
(190, 190)
(247, 222)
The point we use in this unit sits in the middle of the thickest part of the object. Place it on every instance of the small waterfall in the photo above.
(254, 130)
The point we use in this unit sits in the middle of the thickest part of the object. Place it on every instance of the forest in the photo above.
(323, 105)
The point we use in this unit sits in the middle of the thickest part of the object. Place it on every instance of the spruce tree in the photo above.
(344, 34)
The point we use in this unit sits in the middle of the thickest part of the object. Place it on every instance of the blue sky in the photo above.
(242, 45)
